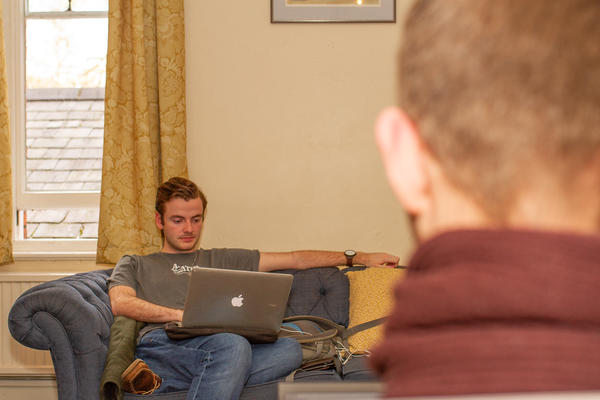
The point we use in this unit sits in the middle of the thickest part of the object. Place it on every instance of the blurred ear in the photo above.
(403, 158)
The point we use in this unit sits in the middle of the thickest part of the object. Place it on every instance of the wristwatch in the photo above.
(349, 256)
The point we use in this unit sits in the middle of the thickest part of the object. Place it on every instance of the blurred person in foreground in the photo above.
(495, 155)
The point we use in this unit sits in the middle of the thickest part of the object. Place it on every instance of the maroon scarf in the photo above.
(495, 311)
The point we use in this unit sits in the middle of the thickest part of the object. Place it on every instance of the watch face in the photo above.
(349, 253)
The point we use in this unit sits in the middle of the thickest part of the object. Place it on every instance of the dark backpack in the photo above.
(324, 343)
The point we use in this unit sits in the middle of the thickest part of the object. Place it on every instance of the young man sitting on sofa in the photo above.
(496, 156)
(152, 289)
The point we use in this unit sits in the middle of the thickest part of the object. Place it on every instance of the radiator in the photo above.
(16, 359)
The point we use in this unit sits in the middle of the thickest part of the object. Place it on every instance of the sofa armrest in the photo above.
(71, 317)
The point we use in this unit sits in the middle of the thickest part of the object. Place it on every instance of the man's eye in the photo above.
(176, 221)
(196, 220)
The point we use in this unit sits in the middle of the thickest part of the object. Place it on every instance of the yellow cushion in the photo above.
(371, 297)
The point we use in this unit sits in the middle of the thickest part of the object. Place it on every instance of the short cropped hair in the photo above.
(503, 91)
(178, 187)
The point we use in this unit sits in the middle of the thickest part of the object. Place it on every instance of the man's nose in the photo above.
(188, 226)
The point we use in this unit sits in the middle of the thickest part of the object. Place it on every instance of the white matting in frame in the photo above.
(333, 10)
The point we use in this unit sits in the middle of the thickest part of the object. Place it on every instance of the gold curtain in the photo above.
(144, 123)
(5, 165)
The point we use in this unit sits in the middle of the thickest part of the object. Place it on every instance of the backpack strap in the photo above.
(344, 333)
(361, 327)
(324, 322)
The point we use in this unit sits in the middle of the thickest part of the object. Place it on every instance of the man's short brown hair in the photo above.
(502, 91)
(178, 187)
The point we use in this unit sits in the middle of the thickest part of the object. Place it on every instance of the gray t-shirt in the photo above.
(163, 278)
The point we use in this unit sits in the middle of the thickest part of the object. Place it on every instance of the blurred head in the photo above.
(499, 114)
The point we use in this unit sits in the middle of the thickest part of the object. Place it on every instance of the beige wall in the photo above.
(280, 129)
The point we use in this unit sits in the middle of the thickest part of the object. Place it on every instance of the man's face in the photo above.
(181, 224)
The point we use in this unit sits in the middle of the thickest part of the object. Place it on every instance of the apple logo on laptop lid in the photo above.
(237, 301)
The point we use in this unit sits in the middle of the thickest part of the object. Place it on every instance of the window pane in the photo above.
(66, 52)
(47, 5)
(65, 69)
(65, 129)
(63, 5)
(60, 223)
(89, 5)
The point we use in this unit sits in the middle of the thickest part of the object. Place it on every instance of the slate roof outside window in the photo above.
(62, 223)
(65, 130)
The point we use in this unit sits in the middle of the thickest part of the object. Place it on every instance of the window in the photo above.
(56, 58)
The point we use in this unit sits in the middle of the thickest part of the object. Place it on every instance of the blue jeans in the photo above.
(216, 366)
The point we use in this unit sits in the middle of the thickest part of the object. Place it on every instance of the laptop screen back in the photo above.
(223, 298)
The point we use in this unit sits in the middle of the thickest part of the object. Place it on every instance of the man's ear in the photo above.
(403, 158)
(158, 220)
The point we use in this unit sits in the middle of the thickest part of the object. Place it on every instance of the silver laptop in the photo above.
(232, 300)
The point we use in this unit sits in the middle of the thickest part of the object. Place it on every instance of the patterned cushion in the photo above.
(370, 298)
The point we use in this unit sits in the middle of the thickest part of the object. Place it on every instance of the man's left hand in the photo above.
(381, 260)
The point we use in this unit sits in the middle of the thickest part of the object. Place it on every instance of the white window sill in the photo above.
(66, 249)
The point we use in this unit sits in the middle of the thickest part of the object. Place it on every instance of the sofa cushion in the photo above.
(326, 375)
(358, 369)
(319, 291)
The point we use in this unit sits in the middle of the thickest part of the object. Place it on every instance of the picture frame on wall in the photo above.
(333, 11)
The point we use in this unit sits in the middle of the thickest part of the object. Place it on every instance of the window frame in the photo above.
(14, 18)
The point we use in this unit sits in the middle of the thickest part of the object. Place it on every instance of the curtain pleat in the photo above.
(5, 163)
(144, 125)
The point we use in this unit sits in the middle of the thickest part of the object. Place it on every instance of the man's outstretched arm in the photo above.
(303, 259)
(123, 301)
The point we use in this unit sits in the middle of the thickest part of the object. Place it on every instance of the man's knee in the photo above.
(292, 348)
(294, 351)
(274, 361)
(284, 355)
(232, 348)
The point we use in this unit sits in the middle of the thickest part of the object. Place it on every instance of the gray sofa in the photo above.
(71, 317)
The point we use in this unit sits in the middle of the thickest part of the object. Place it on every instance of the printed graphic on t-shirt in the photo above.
(183, 269)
